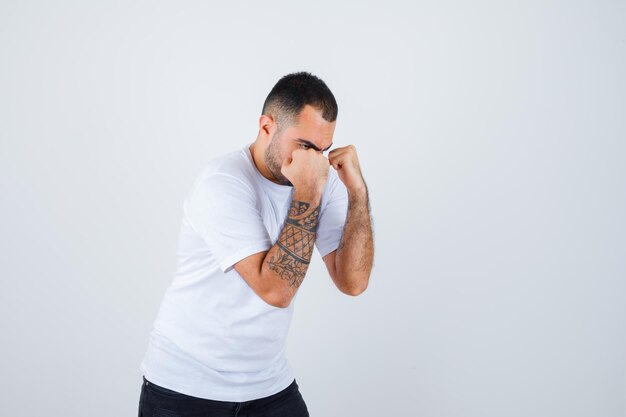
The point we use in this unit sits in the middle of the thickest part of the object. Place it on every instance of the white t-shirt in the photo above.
(214, 337)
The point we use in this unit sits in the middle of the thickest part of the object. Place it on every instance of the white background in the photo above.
(492, 136)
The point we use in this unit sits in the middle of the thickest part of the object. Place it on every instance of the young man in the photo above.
(250, 222)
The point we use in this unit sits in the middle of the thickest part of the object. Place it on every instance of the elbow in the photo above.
(355, 290)
(278, 300)
(282, 304)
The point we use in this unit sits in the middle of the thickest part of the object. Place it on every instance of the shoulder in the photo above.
(227, 170)
(223, 184)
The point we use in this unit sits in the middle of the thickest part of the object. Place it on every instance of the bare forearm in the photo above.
(355, 254)
(286, 263)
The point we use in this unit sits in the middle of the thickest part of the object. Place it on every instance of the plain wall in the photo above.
(492, 139)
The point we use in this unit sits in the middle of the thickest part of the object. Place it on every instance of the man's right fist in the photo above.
(307, 170)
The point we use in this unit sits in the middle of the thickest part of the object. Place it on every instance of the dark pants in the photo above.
(156, 401)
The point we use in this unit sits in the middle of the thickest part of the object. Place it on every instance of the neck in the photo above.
(259, 161)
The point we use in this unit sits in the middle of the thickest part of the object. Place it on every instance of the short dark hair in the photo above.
(292, 92)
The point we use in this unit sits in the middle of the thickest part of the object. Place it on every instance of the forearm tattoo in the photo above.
(295, 244)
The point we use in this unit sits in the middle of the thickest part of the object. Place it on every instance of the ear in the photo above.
(267, 125)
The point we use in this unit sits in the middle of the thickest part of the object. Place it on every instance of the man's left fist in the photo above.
(346, 163)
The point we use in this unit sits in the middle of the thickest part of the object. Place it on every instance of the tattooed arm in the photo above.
(290, 257)
(283, 267)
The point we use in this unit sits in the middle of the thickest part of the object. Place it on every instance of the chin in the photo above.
(281, 179)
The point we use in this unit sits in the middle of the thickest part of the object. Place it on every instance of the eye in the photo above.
(304, 144)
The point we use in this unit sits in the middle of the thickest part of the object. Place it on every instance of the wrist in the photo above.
(307, 194)
(356, 192)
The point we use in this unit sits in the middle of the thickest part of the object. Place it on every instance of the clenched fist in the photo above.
(307, 170)
(346, 163)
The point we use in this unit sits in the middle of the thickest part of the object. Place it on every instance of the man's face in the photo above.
(309, 130)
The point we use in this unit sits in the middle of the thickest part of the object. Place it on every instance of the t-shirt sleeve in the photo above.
(223, 211)
(332, 219)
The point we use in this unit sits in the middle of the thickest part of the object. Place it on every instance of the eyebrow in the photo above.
(312, 145)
